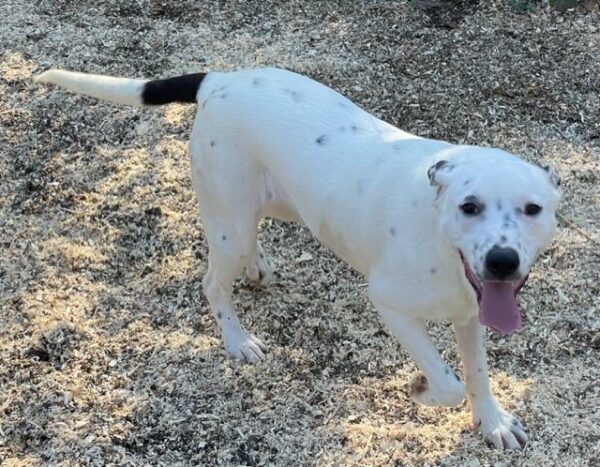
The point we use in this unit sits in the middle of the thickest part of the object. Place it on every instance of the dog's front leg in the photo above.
(436, 384)
(497, 425)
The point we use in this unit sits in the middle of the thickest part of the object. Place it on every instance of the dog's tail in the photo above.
(127, 91)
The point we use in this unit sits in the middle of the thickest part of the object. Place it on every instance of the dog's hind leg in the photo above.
(227, 184)
(258, 269)
(230, 246)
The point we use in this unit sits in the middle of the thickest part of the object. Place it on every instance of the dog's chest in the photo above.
(422, 282)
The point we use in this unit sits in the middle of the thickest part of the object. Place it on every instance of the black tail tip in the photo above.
(179, 89)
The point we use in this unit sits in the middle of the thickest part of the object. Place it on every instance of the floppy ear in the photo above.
(552, 175)
(439, 173)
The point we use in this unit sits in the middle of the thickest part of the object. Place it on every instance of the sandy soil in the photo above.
(108, 352)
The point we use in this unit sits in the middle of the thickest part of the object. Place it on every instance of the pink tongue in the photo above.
(498, 308)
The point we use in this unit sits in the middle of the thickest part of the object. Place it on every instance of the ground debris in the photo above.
(108, 352)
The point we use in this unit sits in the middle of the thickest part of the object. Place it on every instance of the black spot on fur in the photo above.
(508, 222)
(499, 205)
(433, 270)
(261, 256)
(456, 376)
(269, 195)
(261, 275)
(179, 89)
(212, 143)
(223, 96)
(295, 95)
(447, 371)
(467, 182)
(502, 238)
(355, 128)
(479, 370)
(257, 81)
(219, 315)
(215, 91)
(224, 237)
(393, 231)
(321, 139)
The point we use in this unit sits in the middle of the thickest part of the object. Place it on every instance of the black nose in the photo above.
(501, 262)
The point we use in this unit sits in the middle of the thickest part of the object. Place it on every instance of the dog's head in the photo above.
(498, 212)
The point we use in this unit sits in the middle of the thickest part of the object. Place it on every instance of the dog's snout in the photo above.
(501, 262)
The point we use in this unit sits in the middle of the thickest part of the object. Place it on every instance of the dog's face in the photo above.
(497, 210)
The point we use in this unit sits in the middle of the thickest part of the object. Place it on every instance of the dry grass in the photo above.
(108, 353)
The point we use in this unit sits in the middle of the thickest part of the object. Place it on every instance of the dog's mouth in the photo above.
(498, 307)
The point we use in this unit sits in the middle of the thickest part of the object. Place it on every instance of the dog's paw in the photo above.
(259, 270)
(244, 346)
(450, 393)
(500, 428)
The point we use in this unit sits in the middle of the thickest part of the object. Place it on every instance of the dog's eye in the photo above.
(531, 209)
(470, 209)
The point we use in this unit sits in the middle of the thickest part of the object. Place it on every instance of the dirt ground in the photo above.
(108, 352)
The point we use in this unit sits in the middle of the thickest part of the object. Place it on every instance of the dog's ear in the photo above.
(552, 175)
(438, 174)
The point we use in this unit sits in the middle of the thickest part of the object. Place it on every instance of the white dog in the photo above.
(439, 230)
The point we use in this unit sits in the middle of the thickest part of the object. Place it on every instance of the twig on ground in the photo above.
(577, 228)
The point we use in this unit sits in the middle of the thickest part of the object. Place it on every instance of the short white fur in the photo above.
(269, 142)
